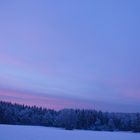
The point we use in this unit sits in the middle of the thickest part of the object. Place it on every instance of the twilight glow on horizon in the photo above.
(71, 53)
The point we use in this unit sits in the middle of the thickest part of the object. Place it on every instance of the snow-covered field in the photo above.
(11, 132)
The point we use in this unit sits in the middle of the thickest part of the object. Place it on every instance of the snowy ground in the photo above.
(11, 132)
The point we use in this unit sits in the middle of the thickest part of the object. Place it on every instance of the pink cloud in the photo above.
(53, 102)
(12, 61)
(133, 94)
(42, 100)
(7, 59)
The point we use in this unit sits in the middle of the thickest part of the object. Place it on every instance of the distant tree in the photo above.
(111, 124)
(136, 123)
(69, 118)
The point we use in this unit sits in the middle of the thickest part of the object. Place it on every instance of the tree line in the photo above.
(68, 118)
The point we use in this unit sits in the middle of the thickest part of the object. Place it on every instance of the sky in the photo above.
(71, 53)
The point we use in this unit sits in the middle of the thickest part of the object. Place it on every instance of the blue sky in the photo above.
(82, 53)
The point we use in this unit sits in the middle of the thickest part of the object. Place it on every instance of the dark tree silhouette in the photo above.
(68, 118)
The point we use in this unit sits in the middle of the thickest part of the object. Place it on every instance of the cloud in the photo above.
(9, 60)
(30, 98)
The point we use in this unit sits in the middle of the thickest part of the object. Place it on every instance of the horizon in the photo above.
(57, 110)
(71, 54)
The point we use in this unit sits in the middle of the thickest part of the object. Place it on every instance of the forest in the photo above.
(69, 119)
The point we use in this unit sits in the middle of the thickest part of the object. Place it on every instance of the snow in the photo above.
(14, 132)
